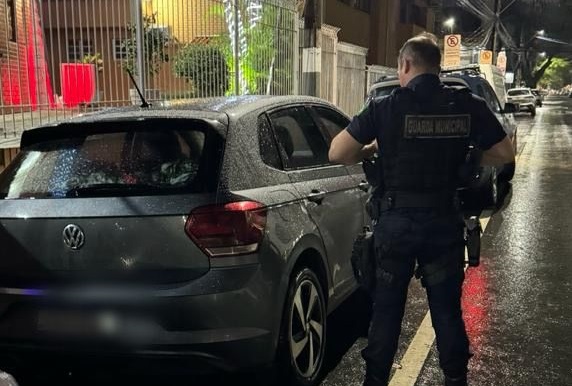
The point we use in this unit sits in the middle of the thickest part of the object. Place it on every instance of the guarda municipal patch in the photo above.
(437, 126)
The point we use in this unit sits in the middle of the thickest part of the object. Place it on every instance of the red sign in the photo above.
(452, 41)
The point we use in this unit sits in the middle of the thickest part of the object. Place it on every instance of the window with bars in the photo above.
(78, 48)
(119, 49)
(11, 22)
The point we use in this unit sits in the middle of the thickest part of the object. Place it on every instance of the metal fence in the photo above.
(59, 58)
(351, 77)
(329, 70)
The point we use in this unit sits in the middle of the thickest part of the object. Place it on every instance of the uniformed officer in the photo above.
(422, 133)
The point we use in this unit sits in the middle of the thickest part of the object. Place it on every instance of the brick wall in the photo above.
(13, 57)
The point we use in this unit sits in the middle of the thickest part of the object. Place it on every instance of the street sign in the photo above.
(486, 57)
(501, 61)
(452, 54)
(509, 77)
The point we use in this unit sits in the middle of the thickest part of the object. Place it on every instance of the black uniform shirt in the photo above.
(486, 130)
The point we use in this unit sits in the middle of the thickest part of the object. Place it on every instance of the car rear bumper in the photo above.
(204, 327)
(234, 352)
(527, 105)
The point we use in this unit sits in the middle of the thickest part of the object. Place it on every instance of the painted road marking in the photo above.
(417, 352)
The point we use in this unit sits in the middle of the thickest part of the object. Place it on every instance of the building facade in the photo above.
(25, 82)
(97, 31)
(381, 26)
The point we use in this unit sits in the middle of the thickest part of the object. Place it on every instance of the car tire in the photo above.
(507, 172)
(302, 345)
(473, 238)
(490, 199)
(533, 111)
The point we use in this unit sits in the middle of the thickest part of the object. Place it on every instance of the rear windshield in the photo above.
(138, 160)
(383, 91)
(518, 92)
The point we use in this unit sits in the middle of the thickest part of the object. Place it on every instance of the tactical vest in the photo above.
(426, 142)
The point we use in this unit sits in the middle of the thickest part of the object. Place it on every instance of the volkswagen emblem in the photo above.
(73, 237)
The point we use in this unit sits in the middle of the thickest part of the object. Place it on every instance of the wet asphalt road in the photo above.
(517, 304)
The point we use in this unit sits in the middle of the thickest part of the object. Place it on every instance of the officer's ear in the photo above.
(406, 65)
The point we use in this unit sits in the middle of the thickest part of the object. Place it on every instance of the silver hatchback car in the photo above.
(217, 233)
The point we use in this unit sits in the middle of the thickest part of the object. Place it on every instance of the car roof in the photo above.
(520, 89)
(395, 82)
(216, 110)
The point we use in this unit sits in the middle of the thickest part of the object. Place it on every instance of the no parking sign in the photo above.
(452, 54)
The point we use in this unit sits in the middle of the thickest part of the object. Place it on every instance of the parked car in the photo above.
(524, 99)
(485, 187)
(207, 232)
(539, 97)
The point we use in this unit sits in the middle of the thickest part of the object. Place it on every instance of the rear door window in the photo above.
(480, 91)
(116, 159)
(518, 92)
(268, 148)
(301, 141)
(491, 99)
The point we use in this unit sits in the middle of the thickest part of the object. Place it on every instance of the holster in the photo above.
(473, 232)
(363, 260)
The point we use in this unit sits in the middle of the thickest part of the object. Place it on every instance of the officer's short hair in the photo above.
(423, 51)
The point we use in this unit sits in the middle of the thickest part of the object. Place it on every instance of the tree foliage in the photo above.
(558, 74)
(155, 43)
(205, 67)
(267, 63)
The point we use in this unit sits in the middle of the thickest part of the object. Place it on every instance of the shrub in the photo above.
(205, 67)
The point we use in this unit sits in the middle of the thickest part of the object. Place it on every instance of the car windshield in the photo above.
(134, 161)
(518, 92)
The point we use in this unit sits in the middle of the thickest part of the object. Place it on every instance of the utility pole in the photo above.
(137, 14)
(311, 54)
(495, 30)
(236, 38)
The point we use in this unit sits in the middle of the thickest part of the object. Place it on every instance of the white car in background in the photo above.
(523, 98)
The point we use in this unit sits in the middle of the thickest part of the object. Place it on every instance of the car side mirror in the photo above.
(510, 108)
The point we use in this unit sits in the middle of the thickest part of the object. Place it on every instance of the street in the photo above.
(517, 304)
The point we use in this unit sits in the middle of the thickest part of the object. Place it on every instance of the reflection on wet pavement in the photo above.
(518, 304)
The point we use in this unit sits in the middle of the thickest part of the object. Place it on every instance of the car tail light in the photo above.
(230, 229)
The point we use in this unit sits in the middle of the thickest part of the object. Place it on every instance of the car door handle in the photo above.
(364, 185)
(317, 196)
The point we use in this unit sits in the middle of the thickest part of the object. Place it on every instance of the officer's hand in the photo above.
(369, 151)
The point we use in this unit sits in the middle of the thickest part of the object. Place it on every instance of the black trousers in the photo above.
(434, 242)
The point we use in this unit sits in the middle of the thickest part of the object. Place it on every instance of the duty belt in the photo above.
(397, 200)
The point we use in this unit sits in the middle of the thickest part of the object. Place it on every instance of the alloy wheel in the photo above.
(306, 332)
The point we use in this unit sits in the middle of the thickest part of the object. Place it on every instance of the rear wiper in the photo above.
(111, 187)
